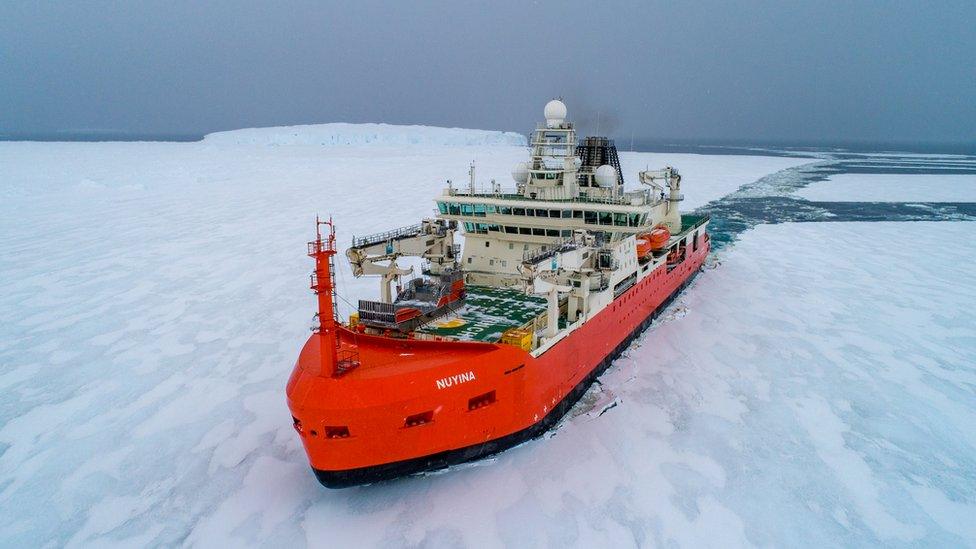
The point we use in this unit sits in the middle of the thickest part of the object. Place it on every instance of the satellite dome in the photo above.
(606, 176)
(555, 113)
(520, 173)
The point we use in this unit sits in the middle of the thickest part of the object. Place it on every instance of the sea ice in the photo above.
(856, 187)
(815, 391)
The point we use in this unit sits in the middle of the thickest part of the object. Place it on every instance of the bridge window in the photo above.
(525, 230)
(577, 214)
(552, 232)
(479, 210)
(442, 206)
(606, 218)
(620, 219)
(634, 220)
(554, 213)
(568, 214)
(538, 232)
(518, 211)
(467, 209)
(590, 217)
(566, 233)
(505, 210)
(511, 230)
(542, 213)
(454, 208)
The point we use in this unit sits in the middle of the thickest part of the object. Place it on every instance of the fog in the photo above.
(759, 72)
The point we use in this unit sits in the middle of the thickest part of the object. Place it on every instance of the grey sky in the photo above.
(755, 71)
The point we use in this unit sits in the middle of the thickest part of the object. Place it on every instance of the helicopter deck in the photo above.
(486, 314)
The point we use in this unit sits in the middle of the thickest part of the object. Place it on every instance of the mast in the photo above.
(321, 283)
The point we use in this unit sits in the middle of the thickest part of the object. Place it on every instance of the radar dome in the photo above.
(606, 176)
(555, 113)
(520, 173)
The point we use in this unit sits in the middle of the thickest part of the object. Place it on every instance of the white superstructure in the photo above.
(558, 191)
(568, 229)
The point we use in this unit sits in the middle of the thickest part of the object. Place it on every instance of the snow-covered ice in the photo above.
(706, 177)
(814, 389)
(856, 187)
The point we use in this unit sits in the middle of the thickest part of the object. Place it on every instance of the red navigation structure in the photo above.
(333, 362)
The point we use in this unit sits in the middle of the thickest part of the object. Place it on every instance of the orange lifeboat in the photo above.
(658, 238)
(643, 246)
(652, 241)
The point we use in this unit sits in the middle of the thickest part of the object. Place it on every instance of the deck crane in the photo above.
(670, 176)
(377, 254)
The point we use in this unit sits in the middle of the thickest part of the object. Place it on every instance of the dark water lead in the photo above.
(771, 199)
(734, 216)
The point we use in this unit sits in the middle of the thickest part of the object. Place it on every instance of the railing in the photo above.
(643, 196)
(402, 232)
(328, 245)
(484, 191)
(534, 256)
(347, 360)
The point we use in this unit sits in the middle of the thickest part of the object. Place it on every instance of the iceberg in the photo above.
(342, 134)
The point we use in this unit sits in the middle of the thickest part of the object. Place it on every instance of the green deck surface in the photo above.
(690, 222)
(487, 313)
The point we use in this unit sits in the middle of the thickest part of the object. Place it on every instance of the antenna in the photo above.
(471, 173)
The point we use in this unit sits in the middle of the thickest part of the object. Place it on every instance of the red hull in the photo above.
(415, 405)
